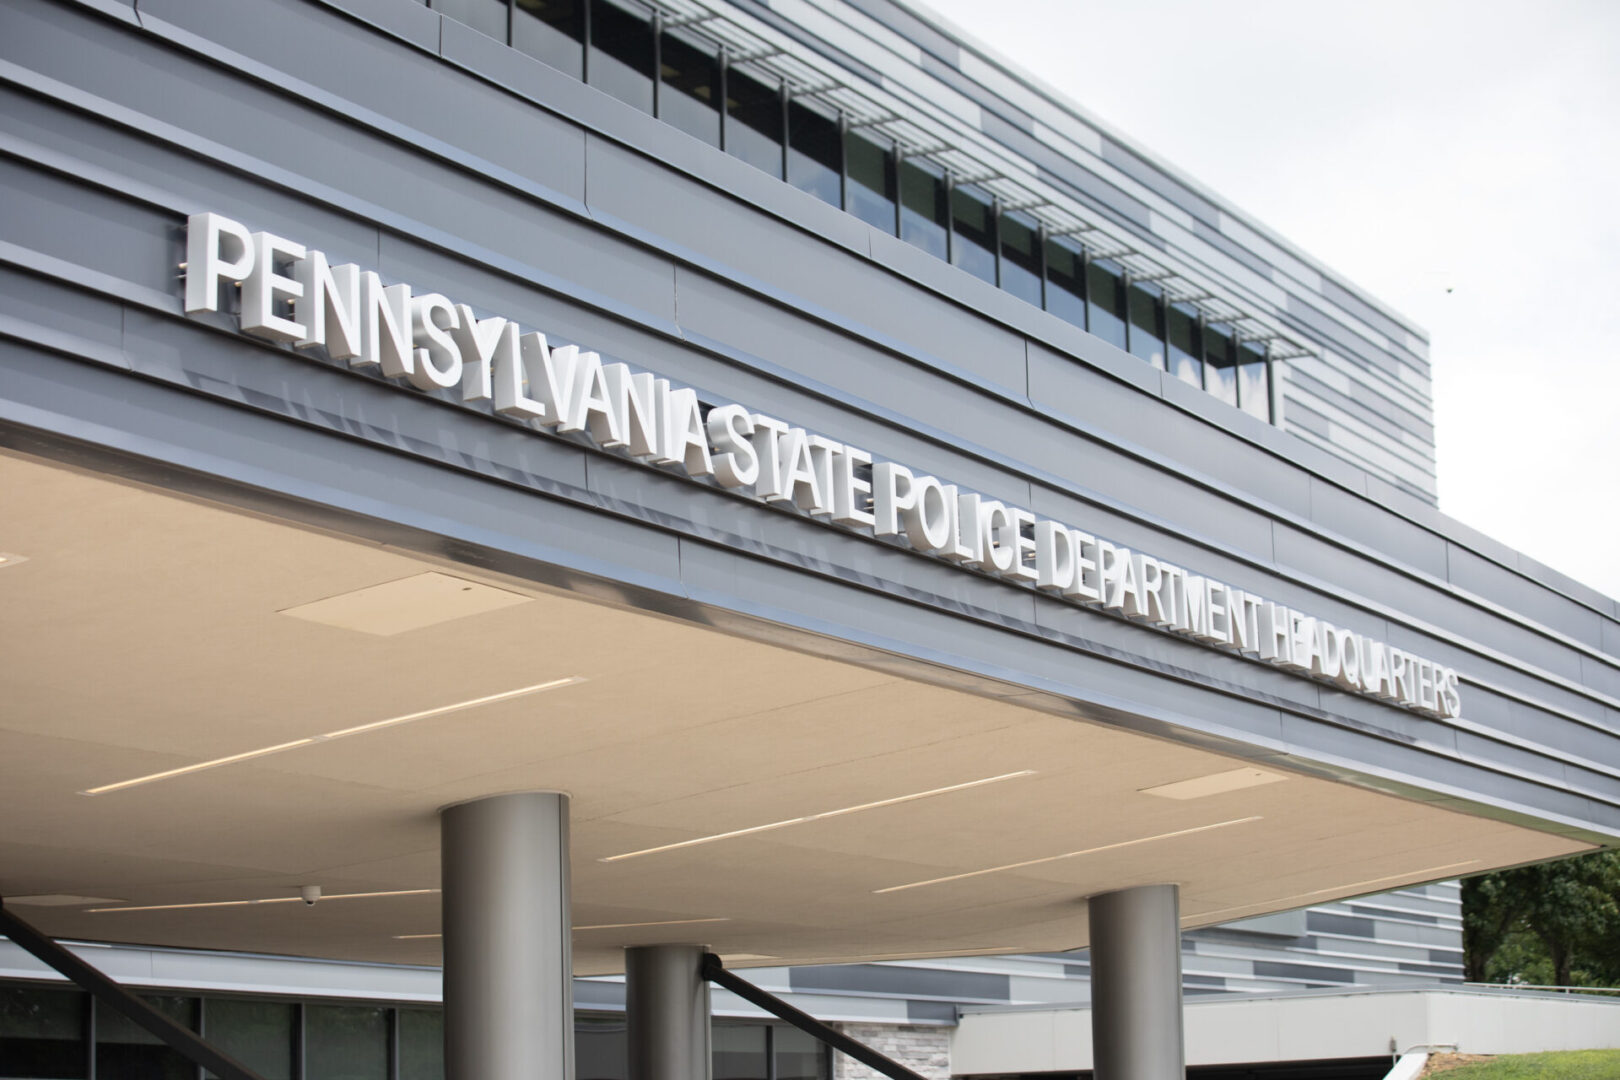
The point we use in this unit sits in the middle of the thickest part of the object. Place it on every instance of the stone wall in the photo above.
(923, 1049)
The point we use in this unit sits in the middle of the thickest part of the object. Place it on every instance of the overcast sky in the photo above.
(1458, 160)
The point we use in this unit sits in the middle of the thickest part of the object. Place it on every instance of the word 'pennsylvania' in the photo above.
(292, 294)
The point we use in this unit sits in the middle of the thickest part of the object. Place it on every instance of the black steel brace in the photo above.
(714, 971)
(185, 1042)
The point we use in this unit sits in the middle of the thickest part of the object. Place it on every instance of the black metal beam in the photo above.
(715, 972)
(108, 993)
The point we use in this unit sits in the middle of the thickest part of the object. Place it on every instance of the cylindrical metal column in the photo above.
(666, 1005)
(1136, 984)
(508, 978)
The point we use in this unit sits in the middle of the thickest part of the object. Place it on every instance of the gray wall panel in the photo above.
(1337, 294)
(1483, 577)
(325, 49)
(53, 215)
(1351, 517)
(580, 260)
(60, 308)
(642, 192)
(1601, 674)
(410, 21)
(147, 167)
(1376, 410)
(1058, 384)
(1150, 176)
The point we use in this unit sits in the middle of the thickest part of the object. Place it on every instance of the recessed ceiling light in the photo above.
(1067, 855)
(343, 733)
(1214, 784)
(599, 926)
(663, 922)
(8, 559)
(752, 829)
(60, 900)
(266, 900)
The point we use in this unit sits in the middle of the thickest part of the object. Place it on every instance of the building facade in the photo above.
(881, 508)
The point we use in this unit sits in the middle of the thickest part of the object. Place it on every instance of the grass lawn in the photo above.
(1567, 1065)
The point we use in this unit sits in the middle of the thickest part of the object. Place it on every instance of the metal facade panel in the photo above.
(918, 370)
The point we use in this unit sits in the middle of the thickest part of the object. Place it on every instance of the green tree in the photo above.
(1557, 922)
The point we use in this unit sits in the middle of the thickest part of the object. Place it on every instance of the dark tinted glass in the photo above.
(421, 1044)
(923, 207)
(1147, 335)
(1254, 381)
(1021, 257)
(798, 1056)
(754, 121)
(132, 1053)
(1105, 286)
(553, 31)
(485, 16)
(869, 194)
(1065, 282)
(1185, 351)
(739, 1052)
(345, 1042)
(259, 1034)
(600, 1048)
(690, 96)
(621, 60)
(1220, 362)
(815, 157)
(42, 1034)
(973, 245)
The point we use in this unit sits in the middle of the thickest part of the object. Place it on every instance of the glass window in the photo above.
(421, 1044)
(345, 1042)
(690, 95)
(923, 207)
(869, 194)
(973, 240)
(1220, 362)
(485, 16)
(600, 1048)
(1105, 288)
(739, 1052)
(553, 31)
(42, 1033)
(815, 156)
(130, 1052)
(1254, 381)
(798, 1056)
(754, 122)
(1185, 350)
(1021, 257)
(259, 1034)
(621, 59)
(1146, 331)
(1066, 282)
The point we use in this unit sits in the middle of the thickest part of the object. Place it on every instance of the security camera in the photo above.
(310, 893)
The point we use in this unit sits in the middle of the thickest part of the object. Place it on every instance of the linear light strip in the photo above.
(1067, 855)
(342, 733)
(1351, 889)
(819, 817)
(599, 926)
(266, 900)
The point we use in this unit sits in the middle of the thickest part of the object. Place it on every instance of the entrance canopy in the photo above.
(205, 707)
